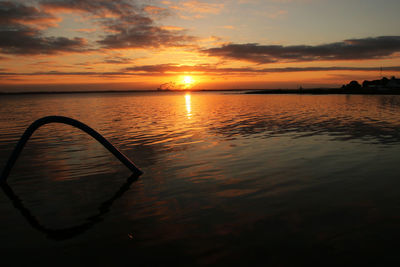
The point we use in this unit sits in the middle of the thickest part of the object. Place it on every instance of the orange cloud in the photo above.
(154, 10)
(229, 27)
(195, 6)
(195, 9)
(172, 28)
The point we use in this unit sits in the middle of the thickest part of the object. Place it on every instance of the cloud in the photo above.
(352, 49)
(214, 69)
(164, 68)
(156, 11)
(194, 6)
(27, 41)
(172, 28)
(208, 69)
(117, 60)
(14, 13)
(101, 8)
(194, 9)
(20, 32)
(139, 32)
(61, 73)
(302, 69)
(129, 26)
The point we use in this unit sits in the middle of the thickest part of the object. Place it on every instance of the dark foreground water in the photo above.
(274, 180)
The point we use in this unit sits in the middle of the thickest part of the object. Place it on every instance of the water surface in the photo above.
(228, 179)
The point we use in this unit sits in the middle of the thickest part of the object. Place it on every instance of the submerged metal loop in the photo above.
(60, 119)
(68, 232)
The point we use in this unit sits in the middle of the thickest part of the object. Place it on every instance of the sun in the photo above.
(187, 81)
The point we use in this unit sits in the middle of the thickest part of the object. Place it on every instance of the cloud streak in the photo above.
(173, 69)
(352, 49)
(209, 69)
(196, 9)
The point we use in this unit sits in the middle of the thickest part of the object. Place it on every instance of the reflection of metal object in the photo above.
(66, 233)
(59, 119)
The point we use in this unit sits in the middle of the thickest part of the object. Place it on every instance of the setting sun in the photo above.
(188, 82)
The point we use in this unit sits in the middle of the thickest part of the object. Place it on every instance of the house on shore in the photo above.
(394, 83)
(382, 84)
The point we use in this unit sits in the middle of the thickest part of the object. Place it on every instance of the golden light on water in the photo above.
(188, 102)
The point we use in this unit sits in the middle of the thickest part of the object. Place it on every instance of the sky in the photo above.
(74, 45)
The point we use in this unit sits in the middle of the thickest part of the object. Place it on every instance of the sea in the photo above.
(229, 179)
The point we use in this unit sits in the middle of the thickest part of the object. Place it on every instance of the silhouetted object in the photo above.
(353, 85)
(59, 119)
(66, 233)
(167, 86)
(383, 83)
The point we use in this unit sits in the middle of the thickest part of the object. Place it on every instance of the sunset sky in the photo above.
(228, 44)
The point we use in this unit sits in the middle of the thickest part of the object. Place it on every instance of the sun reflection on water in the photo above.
(188, 103)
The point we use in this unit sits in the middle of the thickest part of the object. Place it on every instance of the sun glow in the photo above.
(188, 79)
(188, 82)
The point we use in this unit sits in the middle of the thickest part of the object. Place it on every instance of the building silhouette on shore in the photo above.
(379, 85)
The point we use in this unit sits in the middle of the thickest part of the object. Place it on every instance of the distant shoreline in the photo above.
(311, 91)
(329, 91)
(119, 91)
(71, 92)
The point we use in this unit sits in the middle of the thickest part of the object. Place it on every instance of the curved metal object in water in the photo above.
(60, 119)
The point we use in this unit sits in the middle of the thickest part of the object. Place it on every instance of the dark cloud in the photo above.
(117, 60)
(206, 68)
(27, 41)
(18, 36)
(163, 68)
(289, 69)
(171, 69)
(59, 73)
(137, 30)
(203, 68)
(12, 13)
(130, 26)
(97, 7)
(143, 35)
(352, 49)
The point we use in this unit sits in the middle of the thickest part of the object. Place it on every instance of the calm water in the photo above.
(281, 180)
